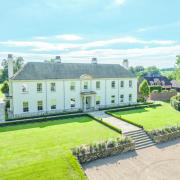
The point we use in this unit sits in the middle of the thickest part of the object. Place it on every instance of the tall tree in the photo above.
(144, 89)
(17, 64)
(177, 67)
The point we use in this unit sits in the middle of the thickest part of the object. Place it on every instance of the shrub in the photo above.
(5, 88)
(175, 102)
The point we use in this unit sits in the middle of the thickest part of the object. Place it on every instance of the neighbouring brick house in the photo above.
(176, 85)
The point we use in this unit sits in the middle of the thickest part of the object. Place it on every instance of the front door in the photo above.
(88, 102)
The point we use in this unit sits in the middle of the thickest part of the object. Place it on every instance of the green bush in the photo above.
(175, 102)
(152, 88)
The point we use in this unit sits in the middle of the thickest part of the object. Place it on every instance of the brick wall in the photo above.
(162, 96)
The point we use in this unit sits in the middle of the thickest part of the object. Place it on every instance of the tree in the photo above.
(144, 89)
(177, 67)
(5, 88)
(17, 64)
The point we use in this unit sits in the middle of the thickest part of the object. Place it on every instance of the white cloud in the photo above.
(69, 37)
(119, 2)
(55, 46)
(64, 37)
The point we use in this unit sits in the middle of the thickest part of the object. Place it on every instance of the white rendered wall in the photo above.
(63, 94)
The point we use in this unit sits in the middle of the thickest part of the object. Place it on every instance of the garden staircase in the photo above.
(141, 138)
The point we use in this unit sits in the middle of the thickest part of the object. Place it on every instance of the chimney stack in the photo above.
(57, 59)
(94, 61)
(10, 66)
(126, 63)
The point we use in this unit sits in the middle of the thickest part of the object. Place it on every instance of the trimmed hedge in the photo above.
(106, 124)
(44, 115)
(175, 102)
(165, 134)
(90, 152)
(40, 119)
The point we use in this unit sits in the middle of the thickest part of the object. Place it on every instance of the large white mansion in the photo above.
(45, 87)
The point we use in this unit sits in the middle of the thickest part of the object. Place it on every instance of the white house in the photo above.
(45, 87)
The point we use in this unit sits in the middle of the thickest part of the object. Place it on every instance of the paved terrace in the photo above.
(124, 126)
(160, 162)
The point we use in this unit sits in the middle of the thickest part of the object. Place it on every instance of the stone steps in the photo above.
(142, 140)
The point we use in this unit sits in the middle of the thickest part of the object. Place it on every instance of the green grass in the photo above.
(1, 94)
(42, 150)
(152, 118)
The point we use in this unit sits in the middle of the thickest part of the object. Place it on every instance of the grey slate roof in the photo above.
(46, 70)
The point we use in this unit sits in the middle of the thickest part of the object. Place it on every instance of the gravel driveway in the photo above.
(161, 162)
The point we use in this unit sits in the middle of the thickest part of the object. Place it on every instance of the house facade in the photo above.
(46, 87)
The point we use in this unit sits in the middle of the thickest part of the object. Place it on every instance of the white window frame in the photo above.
(130, 83)
(40, 105)
(72, 102)
(122, 84)
(39, 89)
(73, 86)
(122, 98)
(53, 104)
(113, 99)
(98, 85)
(24, 88)
(53, 87)
(130, 97)
(113, 84)
(98, 100)
(85, 85)
(25, 107)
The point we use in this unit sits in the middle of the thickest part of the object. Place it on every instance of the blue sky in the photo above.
(147, 32)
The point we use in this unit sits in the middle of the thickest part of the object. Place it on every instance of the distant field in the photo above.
(42, 150)
(1, 94)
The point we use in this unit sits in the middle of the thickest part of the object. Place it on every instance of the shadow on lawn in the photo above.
(169, 143)
(110, 160)
(43, 124)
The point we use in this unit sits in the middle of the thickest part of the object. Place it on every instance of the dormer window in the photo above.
(85, 85)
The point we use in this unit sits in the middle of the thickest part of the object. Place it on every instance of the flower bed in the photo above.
(165, 134)
(175, 102)
(87, 153)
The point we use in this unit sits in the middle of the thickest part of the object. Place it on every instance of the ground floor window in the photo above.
(25, 106)
(53, 104)
(130, 97)
(98, 100)
(112, 99)
(73, 102)
(40, 105)
(121, 98)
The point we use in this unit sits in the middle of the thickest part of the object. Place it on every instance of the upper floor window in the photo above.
(39, 87)
(72, 86)
(85, 85)
(130, 97)
(122, 84)
(97, 84)
(121, 98)
(53, 87)
(98, 100)
(24, 88)
(40, 105)
(53, 104)
(130, 83)
(73, 102)
(112, 99)
(25, 106)
(113, 84)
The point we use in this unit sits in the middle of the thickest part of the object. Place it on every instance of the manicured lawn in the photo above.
(42, 150)
(152, 118)
(1, 94)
